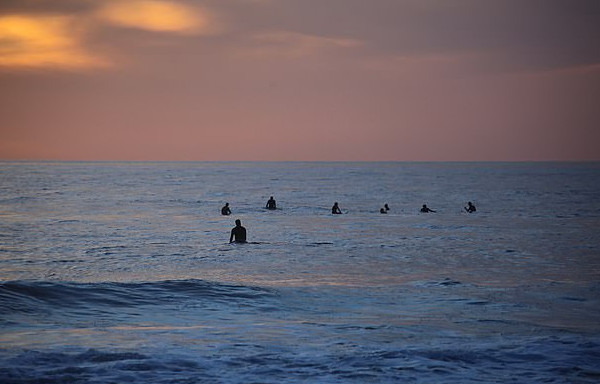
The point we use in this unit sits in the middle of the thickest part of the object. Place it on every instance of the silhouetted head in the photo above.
(424, 205)
(227, 204)
(238, 222)
(271, 197)
(470, 203)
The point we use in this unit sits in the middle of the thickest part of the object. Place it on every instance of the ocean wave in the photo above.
(42, 296)
(566, 359)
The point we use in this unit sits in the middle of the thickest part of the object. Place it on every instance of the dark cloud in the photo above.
(507, 34)
(530, 34)
(40, 6)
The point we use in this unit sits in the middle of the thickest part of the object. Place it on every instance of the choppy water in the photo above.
(121, 272)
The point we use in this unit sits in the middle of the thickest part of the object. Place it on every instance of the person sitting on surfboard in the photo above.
(470, 207)
(387, 208)
(225, 210)
(336, 209)
(238, 233)
(426, 209)
(271, 204)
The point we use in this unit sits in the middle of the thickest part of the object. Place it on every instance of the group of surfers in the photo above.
(238, 233)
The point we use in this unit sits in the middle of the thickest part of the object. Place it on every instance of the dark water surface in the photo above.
(121, 272)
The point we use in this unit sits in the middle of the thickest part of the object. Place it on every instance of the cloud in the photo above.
(153, 15)
(481, 36)
(44, 41)
(34, 37)
(285, 43)
(516, 35)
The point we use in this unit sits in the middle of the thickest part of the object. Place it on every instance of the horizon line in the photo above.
(292, 161)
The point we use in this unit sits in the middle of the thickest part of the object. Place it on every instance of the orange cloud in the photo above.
(43, 41)
(154, 15)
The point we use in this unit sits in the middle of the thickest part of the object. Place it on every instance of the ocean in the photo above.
(121, 272)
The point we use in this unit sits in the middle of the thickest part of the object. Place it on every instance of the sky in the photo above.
(300, 80)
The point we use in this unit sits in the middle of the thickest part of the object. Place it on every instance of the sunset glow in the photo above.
(270, 80)
(34, 41)
(154, 16)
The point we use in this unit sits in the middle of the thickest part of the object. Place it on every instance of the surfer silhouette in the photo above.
(271, 204)
(336, 209)
(470, 207)
(386, 207)
(426, 209)
(382, 210)
(225, 210)
(238, 233)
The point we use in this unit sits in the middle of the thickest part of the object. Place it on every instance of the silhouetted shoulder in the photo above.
(238, 233)
(426, 209)
(271, 204)
(225, 210)
(336, 209)
(470, 207)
